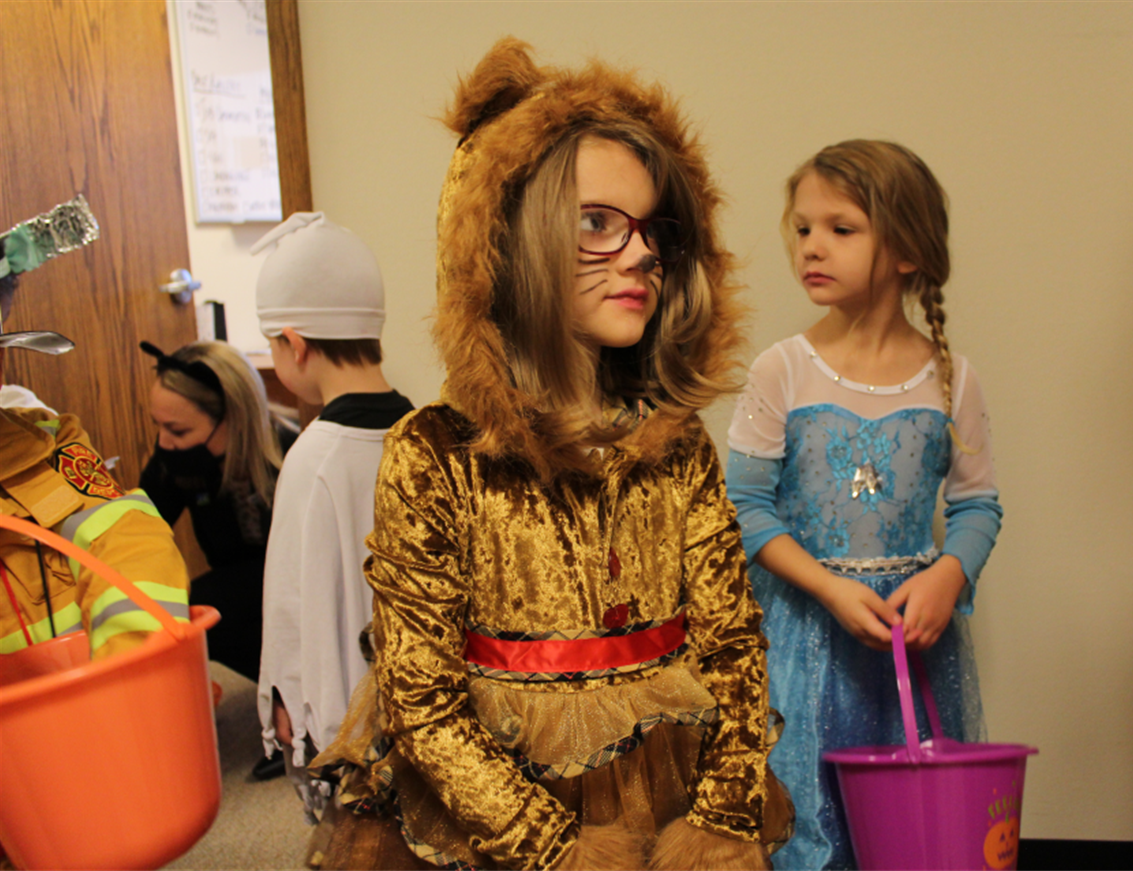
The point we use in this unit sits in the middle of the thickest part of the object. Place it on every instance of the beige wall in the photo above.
(1025, 112)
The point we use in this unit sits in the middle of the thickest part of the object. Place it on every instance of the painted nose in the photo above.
(648, 263)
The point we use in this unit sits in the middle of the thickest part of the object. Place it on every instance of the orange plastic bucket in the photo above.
(111, 763)
(47, 657)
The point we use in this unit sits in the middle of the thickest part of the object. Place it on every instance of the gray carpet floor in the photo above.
(260, 824)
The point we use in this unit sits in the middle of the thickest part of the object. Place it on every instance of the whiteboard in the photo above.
(226, 76)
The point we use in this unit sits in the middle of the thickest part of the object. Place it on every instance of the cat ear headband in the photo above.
(199, 371)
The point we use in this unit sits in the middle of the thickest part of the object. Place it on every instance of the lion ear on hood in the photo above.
(505, 77)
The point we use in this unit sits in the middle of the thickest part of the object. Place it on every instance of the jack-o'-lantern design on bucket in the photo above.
(1001, 844)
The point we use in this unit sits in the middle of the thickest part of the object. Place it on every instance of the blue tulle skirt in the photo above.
(835, 692)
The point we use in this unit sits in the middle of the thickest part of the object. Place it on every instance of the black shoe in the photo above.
(269, 767)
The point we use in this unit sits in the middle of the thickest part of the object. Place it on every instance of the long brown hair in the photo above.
(531, 303)
(908, 210)
(252, 453)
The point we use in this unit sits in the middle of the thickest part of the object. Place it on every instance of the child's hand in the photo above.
(860, 611)
(929, 598)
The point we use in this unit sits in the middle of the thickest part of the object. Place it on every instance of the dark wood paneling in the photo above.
(88, 107)
(290, 123)
(290, 106)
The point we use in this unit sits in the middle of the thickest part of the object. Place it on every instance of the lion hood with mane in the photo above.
(508, 113)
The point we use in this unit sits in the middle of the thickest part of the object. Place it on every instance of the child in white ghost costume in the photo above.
(320, 301)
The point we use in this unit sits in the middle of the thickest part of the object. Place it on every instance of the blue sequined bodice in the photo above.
(859, 488)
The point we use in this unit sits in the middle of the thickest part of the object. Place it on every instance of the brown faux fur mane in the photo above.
(508, 113)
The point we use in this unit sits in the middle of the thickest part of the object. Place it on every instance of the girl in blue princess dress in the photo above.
(838, 450)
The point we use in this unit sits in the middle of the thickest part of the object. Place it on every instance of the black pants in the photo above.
(237, 592)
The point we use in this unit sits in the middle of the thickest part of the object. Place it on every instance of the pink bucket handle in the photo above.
(99, 568)
(905, 692)
(926, 694)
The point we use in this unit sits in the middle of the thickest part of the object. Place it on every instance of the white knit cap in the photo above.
(321, 280)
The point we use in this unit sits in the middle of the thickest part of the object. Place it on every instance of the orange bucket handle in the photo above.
(97, 566)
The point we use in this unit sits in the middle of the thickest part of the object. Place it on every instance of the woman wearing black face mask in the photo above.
(217, 455)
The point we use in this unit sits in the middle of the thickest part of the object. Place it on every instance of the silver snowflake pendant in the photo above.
(865, 478)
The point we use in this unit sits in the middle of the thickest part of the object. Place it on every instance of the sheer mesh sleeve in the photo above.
(759, 423)
(757, 438)
(973, 513)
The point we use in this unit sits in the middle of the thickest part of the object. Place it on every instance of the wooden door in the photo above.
(88, 108)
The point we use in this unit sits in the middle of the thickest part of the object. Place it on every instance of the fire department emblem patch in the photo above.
(84, 471)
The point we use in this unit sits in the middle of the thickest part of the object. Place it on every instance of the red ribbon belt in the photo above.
(582, 654)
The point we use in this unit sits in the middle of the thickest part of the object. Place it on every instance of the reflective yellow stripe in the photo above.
(134, 621)
(175, 600)
(162, 593)
(103, 518)
(67, 619)
(52, 425)
(12, 643)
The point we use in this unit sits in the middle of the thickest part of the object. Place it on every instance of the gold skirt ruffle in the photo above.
(570, 730)
(626, 749)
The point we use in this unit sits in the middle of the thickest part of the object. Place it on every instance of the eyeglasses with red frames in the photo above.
(605, 230)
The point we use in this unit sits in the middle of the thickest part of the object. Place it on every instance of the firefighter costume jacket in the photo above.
(51, 475)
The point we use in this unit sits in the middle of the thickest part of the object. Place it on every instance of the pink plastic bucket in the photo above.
(939, 804)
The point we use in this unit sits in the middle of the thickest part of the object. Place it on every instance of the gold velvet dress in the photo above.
(495, 759)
